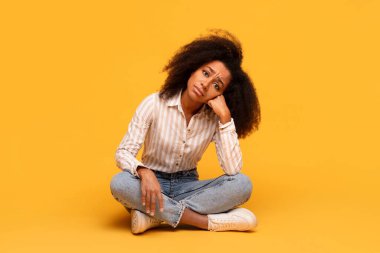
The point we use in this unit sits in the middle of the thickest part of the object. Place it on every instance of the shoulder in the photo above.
(151, 97)
(149, 100)
(147, 104)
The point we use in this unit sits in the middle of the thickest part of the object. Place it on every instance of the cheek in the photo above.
(191, 79)
(211, 94)
(214, 92)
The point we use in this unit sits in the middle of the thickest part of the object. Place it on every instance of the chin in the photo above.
(195, 97)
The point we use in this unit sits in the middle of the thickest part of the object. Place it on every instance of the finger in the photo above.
(143, 193)
(161, 202)
(153, 203)
(148, 202)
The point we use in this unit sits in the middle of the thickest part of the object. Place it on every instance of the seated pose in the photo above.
(206, 97)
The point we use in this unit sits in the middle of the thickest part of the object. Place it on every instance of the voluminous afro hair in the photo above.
(240, 95)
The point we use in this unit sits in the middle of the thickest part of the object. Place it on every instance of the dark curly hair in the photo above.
(240, 94)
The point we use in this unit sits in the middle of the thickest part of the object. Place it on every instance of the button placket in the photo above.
(180, 155)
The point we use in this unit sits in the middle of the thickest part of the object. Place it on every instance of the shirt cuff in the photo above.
(227, 126)
(134, 171)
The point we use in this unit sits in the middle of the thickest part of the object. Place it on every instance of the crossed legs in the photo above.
(190, 208)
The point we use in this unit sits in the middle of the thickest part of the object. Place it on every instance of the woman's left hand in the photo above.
(220, 108)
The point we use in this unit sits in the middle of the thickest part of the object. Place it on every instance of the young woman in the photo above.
(207, 97)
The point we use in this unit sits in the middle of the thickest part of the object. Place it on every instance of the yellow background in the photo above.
(73, 72)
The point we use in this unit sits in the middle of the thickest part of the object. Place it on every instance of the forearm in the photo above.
(228, 148)
(232, 156)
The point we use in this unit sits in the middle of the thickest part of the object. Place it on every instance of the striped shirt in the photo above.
(170, 145)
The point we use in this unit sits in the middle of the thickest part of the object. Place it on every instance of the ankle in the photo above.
(192, 218)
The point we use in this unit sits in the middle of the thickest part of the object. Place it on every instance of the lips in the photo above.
(198, 91)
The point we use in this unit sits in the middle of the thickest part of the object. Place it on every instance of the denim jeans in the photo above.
(184, 189)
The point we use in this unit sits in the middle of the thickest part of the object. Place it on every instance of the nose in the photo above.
(205, 84)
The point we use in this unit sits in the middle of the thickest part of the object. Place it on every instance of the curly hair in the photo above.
(240, 95)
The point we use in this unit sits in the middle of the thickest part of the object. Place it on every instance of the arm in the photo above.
(225, 138)
(228, 148)
(128, 149)
(134, 138)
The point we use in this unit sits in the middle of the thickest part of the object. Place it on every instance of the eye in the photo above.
(205, 73)
(216, 85)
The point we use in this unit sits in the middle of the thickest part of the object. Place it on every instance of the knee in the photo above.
(243, 185)
(118, 183)
(125, 189)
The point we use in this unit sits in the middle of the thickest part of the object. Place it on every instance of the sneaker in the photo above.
(240, 219)
(141, 222)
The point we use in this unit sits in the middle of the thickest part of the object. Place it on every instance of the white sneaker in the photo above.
(141, 222)
(240, 219)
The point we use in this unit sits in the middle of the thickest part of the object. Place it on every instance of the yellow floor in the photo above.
(322, 213)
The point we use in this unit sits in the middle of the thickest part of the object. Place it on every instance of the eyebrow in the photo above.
(213, 71)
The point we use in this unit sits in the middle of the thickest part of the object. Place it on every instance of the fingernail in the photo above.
(143, 204)
(161, 209)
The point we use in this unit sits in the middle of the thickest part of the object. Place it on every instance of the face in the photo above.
(208, 81)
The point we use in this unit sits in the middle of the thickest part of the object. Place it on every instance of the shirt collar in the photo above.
(175, 100)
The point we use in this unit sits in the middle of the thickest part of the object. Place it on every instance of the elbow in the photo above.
(117, 156)
(118, 159)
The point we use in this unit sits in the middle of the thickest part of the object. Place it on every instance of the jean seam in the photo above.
(192, 196)
(198, 187)
(196, 194)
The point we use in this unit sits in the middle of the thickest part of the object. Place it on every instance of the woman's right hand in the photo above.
(150, 190)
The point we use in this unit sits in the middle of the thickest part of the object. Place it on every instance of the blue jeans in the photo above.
(184, 189)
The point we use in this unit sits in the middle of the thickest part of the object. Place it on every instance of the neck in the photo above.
(188, 105)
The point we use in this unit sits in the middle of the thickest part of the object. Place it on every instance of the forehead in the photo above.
(220, 69)
(217, 65)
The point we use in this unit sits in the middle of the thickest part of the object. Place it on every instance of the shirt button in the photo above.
(176, 164)
(180, 155)
(184, 142)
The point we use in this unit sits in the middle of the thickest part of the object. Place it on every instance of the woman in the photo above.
(207, 97)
